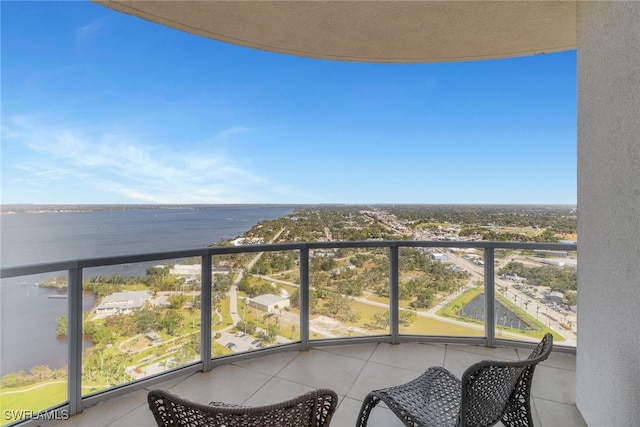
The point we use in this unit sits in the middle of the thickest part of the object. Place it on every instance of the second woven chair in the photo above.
(490, 391)
(312, 409)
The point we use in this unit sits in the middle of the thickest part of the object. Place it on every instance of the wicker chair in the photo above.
(313, 409)
(490, 391)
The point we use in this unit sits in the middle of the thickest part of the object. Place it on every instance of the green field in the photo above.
(34, 397)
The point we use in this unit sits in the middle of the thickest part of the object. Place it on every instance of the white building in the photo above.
(196, 270)
(123, 302)
(186, 270)
(268, 302)
(247, 241)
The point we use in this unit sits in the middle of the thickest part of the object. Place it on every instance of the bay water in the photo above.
(28, 313)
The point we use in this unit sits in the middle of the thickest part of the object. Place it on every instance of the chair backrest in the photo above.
(313, 409)
(489, 386)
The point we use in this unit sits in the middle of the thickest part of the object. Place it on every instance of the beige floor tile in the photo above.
(558, 385)
(458, 361)
(321, 369)
(277, 390)
(171, 383)
(359, 351)
(375, 376)
(554, 414)
(353, 370)
(560, 360)
(411, 356)
(347, 415)
(107, 412)
(269, 365)
(141, 417)
(498, 353)
(228, 383)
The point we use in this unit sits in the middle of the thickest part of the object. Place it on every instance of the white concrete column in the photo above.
(608, 355)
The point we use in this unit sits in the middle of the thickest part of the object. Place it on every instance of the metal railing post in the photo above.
(304, 298)
(74, 334)
(205, 313)
(394, 299)
(490, 296)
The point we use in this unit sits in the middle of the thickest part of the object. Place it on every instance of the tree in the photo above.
(145, 320)
(247, 327)
(381, 319)
(339, 307)
(424, 299)
(405, 318)
(61, 330)
(42, 373)
(171, 321)
(177, 301)
(187, 352)
(313, 300)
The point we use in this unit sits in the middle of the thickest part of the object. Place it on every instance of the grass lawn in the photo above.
(225, 311)
(376, 298)
(34, 397)
(420, 326)
(425, 326)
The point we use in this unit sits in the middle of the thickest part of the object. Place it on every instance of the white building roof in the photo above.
(268, 299)
(125, 299)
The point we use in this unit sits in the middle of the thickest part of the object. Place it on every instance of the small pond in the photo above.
(504, 317)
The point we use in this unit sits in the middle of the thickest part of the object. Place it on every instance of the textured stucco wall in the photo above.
(608, 359)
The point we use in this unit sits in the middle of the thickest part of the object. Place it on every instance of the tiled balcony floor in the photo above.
(352, 371)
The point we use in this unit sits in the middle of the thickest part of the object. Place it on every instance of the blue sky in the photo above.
(101, 107)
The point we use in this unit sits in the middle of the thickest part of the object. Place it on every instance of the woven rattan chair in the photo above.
(490, 391)
(313, 409)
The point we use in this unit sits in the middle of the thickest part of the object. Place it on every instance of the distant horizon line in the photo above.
(160, 205)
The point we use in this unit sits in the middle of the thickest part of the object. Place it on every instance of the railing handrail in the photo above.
(82, 263)
(75, 400)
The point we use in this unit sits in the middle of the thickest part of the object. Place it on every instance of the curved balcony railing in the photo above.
(487, 330)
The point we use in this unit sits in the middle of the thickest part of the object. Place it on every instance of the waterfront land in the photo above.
(349, 291)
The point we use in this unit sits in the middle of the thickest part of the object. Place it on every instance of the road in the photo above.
(233, 290)
(531, 305)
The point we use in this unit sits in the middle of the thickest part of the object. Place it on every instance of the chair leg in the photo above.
(369, 403)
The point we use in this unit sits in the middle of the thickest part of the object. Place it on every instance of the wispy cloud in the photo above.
(87, 32)
(125, 167)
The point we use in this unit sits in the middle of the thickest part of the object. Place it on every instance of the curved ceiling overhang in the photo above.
(373, 31)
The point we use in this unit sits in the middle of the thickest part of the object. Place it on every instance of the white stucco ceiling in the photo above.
(373, 31)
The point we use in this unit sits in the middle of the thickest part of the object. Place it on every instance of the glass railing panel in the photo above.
(34, 349)
(145, 320)
(539, 290)
(256, 301)
(440, 291)
(349, 292)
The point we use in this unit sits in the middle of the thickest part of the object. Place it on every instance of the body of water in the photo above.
(503, 316)
(28, 314)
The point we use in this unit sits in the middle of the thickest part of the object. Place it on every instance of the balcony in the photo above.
(296, 348)
(352, 371)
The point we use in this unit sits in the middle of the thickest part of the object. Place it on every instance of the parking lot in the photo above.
(238, 342)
